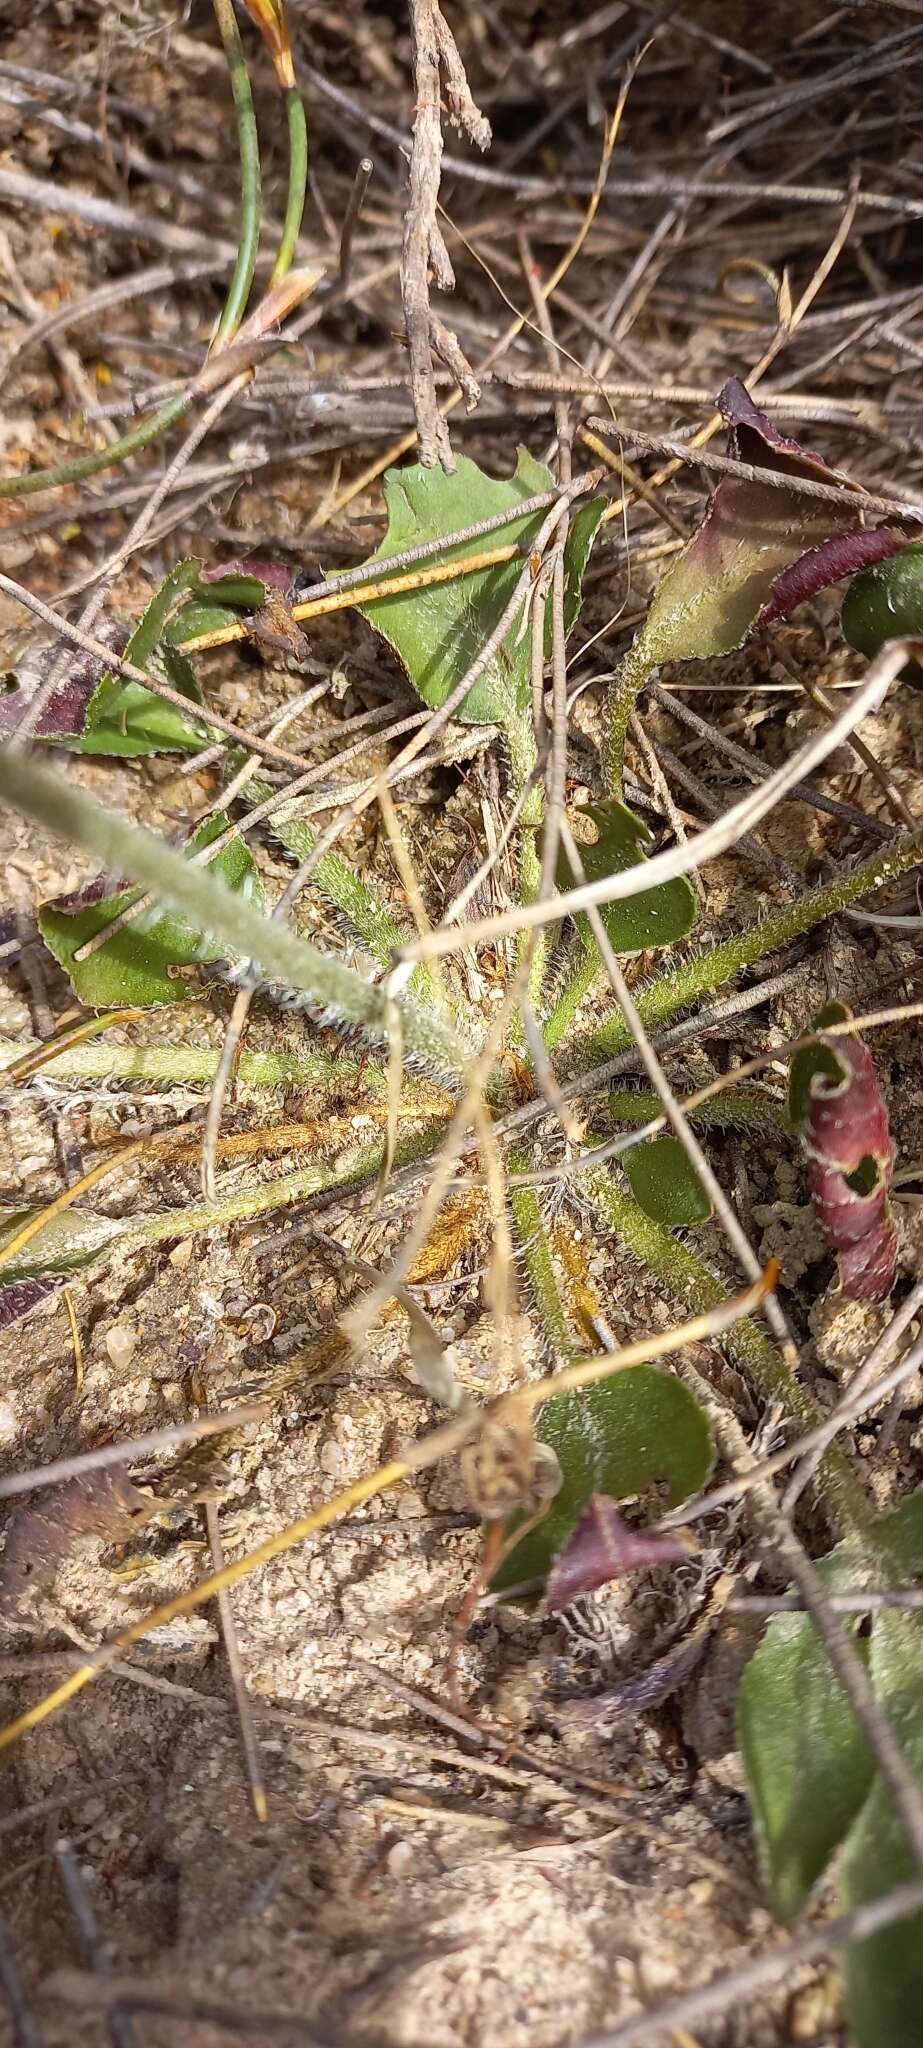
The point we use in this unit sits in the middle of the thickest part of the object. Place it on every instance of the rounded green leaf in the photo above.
(138, 965)
(636, 1429)
(809, 1770)
(807, 1763)
(665, 1183)
(886, 603)
(655, 917)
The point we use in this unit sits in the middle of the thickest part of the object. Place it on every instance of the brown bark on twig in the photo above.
(424, 253)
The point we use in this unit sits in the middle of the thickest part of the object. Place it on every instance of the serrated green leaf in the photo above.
(884, 1975)
(123, 718)
(63, 1245)
(638, 1428)
(665, 1183)
(437, 630)
(655, 917)
(133, 967)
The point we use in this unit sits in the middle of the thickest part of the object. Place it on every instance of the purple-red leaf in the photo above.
(22, 1295)
(762, 546)
(64, 715)
(40, 1536)
(602, 1547)
(275, 575)
(836, 1100)
(843, 555)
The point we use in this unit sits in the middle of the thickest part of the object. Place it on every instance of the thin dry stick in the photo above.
(424, 251)
(501, 1257)
(864, 1377)
(248, 1734)
(402, 447)
(847, 1413)
(119, 666)
(699, 457)
(354, 205)
(25, 2029)
(57, 675)
(120, 2029)
(131, 1449)
(756, 771)
(680, 860)
(735, 1990)
(416, 1457)
(676, 1116)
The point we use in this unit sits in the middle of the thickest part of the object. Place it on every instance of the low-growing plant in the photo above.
(628, 1441)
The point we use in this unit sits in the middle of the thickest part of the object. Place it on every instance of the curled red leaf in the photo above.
(844, 554)
(837, 1099)
(602, 1547)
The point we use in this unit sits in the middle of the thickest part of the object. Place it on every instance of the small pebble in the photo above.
(121, 1343)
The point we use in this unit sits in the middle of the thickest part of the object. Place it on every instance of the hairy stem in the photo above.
(744, 1109)
(635, 669)
(248, 1201)
(194, 1065)
(663, 999)
(523, 755)
(692, 1283)
(335, 995)
(561, 1017)
(543, 1286)
(369, 918)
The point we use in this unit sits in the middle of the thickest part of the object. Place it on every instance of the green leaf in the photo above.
(133, 967)
(437, 631)
(819, 1057)
(808, 1766)
(198, 615)
(334, 877)
(655, 917)
(884, 1975)
(123, 718)
(714, 592)
(886, 603)
(636, 1428)
(665, 1183)
(900, 1534)
(65, 1244)
(237, 588)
